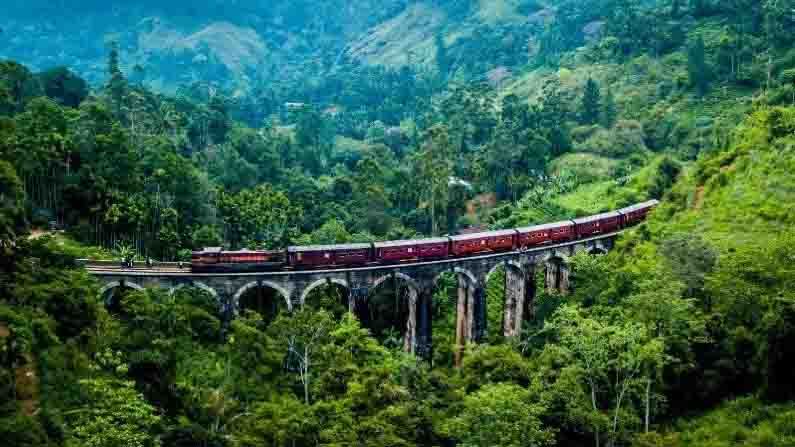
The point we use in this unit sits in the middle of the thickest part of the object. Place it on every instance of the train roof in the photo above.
(309, 248)
(549, 226)
(640, 206)
(410, 243)
(210, 250)
(469, 237)
(217, 250)
(601, 216)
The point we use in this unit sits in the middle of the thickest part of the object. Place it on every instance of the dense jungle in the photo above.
(146, 130)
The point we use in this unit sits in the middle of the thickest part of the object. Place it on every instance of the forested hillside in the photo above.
(154, 129)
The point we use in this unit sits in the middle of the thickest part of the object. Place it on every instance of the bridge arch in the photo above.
(598, 248)
(254, 284)
(320, 283)
(413, 285)
(113, 302)
(506, 265)
(118, 284)
(196, 284)
(384, 311)
(556, 256)
(473, 280)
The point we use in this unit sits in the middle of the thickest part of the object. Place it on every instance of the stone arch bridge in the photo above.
(419, 279)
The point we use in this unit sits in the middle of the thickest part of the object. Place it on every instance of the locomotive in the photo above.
(216, 260)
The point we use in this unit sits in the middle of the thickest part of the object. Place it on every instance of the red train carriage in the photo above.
(493, 241)
(216, 260)
(546, 234)
(329, 256)
(206, 257)
(599, 224)
(421, 249)
(243, 257)
(637, 213)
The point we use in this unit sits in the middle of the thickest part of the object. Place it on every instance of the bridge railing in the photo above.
(117, 264)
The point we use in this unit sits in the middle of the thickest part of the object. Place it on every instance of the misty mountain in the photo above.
(239, 44)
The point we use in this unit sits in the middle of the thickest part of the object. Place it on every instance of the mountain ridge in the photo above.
(247, 43)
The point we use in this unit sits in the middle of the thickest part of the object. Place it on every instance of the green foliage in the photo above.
(65, 87)
(12, 197)
(591, 103)
(502, 415)
(624, 139)
(258, 217)
(695, 307)
(690, 258)
(745, 421)
(115, 415)
(435, 169)
(23, 431)
(697, 66)
(610, 114)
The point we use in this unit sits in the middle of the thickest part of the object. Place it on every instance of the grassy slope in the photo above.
(741, 201)
(412, 32)
(743, 195)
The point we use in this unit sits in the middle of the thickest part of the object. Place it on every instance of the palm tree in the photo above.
(126, 253)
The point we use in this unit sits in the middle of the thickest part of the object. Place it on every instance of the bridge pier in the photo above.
(424, 346)
(410, 337)
(527, 310)
(557, 276)
(515, 284)
(470, 314)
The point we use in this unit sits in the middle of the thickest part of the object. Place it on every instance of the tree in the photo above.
(64, 86)
(219, 122)
(677, 321)
(435, 167)
(789, 77)
(19, 83)
(206, 236)
(553, 117)
(260, 216)
(778, 17)
(591, 102)
(115, 415)
(331, 232)
(697, 67)
(610, 115)
(117, 84)
(304, 334)
(612, 360)
(12, 205)
(500, 415)
(690, 258)
(314, 135)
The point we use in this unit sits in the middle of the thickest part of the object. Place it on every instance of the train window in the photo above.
(327, 255)
(299, 256)
(483, 242)
(411, 250)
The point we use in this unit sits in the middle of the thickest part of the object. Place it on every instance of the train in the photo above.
(217, 260)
